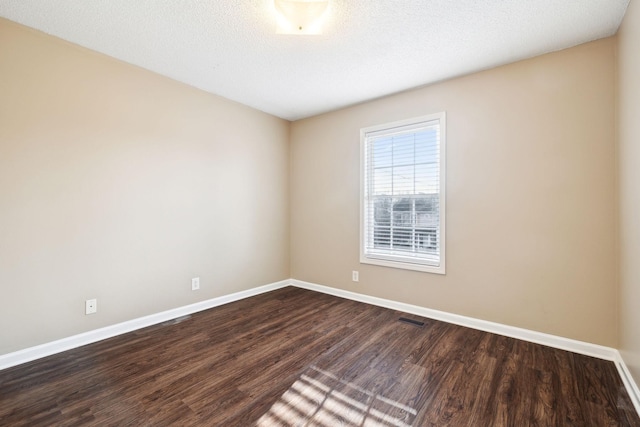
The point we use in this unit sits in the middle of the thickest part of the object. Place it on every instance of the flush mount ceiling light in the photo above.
(300, 16)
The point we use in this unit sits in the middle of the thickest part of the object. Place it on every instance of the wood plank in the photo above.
(296, 357)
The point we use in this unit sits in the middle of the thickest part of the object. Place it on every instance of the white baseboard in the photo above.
(32, 353)
(575, 346)
(580, 347)
(628, 381)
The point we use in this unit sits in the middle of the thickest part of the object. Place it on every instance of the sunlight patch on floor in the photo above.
(320, 398)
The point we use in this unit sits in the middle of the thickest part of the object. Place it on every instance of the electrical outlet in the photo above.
(195, 283)
(90, 306)
(355, 276)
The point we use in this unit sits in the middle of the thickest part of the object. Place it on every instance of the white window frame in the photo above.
(394, 260)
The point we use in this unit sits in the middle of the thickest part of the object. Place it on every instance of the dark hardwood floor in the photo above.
(296, 357)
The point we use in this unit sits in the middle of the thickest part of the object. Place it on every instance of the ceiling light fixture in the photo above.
(300, 16)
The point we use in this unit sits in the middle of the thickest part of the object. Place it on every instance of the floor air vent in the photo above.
(411, 322)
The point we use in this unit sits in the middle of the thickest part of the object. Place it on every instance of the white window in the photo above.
(402, 215)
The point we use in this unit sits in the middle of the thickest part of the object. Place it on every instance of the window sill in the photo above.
(402, 264)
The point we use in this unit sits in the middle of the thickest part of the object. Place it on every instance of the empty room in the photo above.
(320, 213)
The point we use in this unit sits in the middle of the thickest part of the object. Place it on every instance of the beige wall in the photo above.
(531, 196)
(121, 185)
(629, 161)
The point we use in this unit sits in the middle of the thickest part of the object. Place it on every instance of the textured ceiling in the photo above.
(369, 48)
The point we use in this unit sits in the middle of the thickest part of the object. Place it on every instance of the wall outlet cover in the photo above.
(91, 306)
